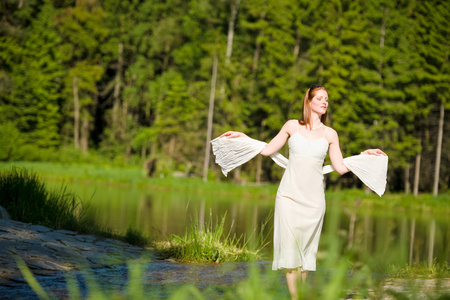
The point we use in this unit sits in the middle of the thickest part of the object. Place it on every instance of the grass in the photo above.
(208, 243)
(422, 270)
(27, 199)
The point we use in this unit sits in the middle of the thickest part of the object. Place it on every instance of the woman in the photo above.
(300, 200)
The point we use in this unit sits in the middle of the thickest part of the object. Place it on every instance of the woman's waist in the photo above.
(308, 157)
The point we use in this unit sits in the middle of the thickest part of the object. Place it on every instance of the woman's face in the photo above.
(319, 102)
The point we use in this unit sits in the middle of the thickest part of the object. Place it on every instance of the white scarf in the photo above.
(233, 152)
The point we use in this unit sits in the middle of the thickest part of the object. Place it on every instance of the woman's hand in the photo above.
(233, 134)
(376, 152)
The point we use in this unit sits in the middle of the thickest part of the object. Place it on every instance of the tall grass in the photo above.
(209, 242)
(27, 199)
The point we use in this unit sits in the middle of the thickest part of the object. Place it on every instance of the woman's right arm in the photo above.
(274, 145)
(278, 141)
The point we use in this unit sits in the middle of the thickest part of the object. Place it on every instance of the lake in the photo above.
(371, 234)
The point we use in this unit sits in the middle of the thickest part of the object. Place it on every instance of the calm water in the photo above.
(391, 237)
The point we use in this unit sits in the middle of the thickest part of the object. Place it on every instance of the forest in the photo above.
(141, 82)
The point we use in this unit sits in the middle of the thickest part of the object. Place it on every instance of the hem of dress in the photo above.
(293, 268)
(305, 266)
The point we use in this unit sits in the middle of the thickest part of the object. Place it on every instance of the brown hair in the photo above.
(306, 113)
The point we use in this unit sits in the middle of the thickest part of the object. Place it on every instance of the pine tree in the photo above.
(32, 98)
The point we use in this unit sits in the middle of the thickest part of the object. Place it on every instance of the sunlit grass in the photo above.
(422, 270)
(208, 243)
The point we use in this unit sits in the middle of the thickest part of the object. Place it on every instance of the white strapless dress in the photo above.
(300, 205)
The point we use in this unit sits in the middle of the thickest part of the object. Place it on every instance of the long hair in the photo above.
(306, 113)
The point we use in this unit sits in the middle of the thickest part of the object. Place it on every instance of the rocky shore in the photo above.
(46, 251)
(51, 253)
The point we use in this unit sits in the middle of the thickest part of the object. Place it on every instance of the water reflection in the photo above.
(371, 234)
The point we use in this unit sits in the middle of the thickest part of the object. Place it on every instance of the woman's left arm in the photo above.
(337, 161)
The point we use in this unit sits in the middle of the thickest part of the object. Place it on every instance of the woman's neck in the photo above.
(315, 122)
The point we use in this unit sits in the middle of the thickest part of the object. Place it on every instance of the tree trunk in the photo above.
(259, 157)
(123, 121)
(76, 114)
(85, 133)
(210, 118)
(297, 43)
(231, 23)
(417, 172)
(431, 242)
(438, 150)
(230, 37)
(258, 169)
(117, 85)
(166, 57)
(411, 240)
(128, 153)
(143, 151)
(407, 183)
(237, 174)
(172, 146)
(382, 36)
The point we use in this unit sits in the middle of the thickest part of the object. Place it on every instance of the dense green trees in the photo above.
(130, 81)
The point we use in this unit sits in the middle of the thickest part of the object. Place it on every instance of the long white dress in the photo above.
(300, 205)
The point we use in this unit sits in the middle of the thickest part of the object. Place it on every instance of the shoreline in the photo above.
(46, 251)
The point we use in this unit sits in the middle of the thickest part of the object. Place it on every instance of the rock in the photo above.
(4, 214)
(39, 228)
(46, 251)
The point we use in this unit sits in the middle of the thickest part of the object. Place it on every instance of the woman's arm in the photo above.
(274, 145)
(279, 140)
(337, 161)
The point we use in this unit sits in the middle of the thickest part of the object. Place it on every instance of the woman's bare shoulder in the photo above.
(291, 126)
(331, 134)
(331, 130)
